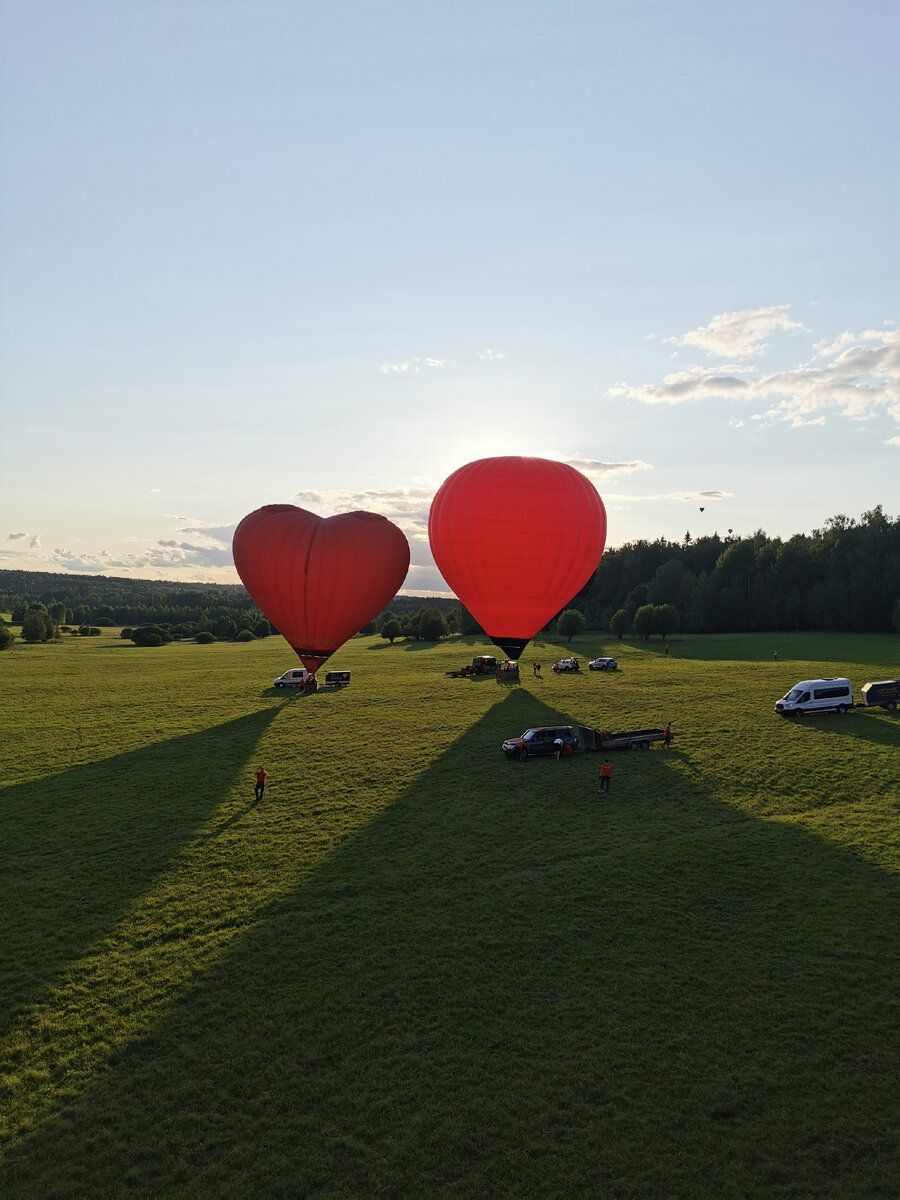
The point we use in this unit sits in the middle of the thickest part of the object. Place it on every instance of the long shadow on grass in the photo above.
(508, 986)
(79, 846)
(868, 727)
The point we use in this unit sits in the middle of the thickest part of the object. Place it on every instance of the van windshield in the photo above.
(794, 694)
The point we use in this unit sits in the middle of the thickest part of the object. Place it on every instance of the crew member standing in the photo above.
(605, 775)
(667, 735)
(261, 774)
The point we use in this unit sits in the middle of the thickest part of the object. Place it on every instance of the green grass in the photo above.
(418, 969)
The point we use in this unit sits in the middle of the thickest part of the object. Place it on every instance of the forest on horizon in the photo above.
(844, 577)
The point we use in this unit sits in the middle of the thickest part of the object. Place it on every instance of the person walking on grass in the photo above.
(261, 774)
(536, 667)
(605, 775)
(667, 735)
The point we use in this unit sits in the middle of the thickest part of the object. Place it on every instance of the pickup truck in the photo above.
(540, 740)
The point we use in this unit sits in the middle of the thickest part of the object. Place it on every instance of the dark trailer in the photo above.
(633, 739)
(883, 694)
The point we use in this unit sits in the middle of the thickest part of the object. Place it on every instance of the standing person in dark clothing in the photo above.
(667, 735)
(261, 774)
(605, 775)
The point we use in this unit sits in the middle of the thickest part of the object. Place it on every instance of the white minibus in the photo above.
(816, 695)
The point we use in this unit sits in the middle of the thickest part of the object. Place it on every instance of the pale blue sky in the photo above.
(257, 252)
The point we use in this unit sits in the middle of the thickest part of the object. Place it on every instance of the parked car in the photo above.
(883, 694)
(540, 740)
(566, 664)
(816, 695)
(602, 664)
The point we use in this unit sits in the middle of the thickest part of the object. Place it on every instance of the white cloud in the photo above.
(680, 497)
(595, 469)
(411, 365)
(165, 555)
(693, 383)
(893, 441)
(491, 355)
(737, 334)
(407, 507)
(861, 379)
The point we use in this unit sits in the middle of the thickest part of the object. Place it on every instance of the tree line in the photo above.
(844, 577)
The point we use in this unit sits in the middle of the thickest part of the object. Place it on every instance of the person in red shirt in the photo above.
(261, 774)
(605, 775)
(667, 735)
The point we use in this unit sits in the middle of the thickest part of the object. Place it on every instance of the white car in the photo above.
(602, 664)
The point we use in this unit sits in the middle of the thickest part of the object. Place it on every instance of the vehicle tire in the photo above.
(635, 746)
(798, 712)
(645, 745)
(891, 705)
(841, 709)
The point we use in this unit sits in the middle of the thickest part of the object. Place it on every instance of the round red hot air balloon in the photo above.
(319, 580)
(516, 539)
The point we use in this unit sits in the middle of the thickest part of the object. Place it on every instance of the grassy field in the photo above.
(418, 969)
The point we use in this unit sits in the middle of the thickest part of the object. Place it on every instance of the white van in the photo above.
(816, 695)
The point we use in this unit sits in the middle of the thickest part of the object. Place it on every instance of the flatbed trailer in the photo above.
(633, 739)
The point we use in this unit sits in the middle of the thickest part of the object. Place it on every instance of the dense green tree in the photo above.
(204, 638)
(431, 625)
(571, 622)
(57, 611)
(224, 628)
(667, 619)
(7, 637)
(620, 623)
(391, 629)
(37, 624)
(151, 635)
(244, 635)
(262, 628)
(644, 621)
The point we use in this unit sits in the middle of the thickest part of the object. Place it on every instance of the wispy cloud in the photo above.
(407, 507)
(164, 555)
(859, 377)
(491, 355)
(595, 469)
(680, 497)
(737, 334)
(411, 365)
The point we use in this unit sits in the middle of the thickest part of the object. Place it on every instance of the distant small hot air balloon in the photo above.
(319, 580)
(702, 509)
(516, 539)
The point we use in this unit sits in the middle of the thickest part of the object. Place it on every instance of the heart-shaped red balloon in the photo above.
(319, 580)
(516, 539)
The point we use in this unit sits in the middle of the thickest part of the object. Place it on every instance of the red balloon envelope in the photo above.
(319, 580)
(516, 539)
